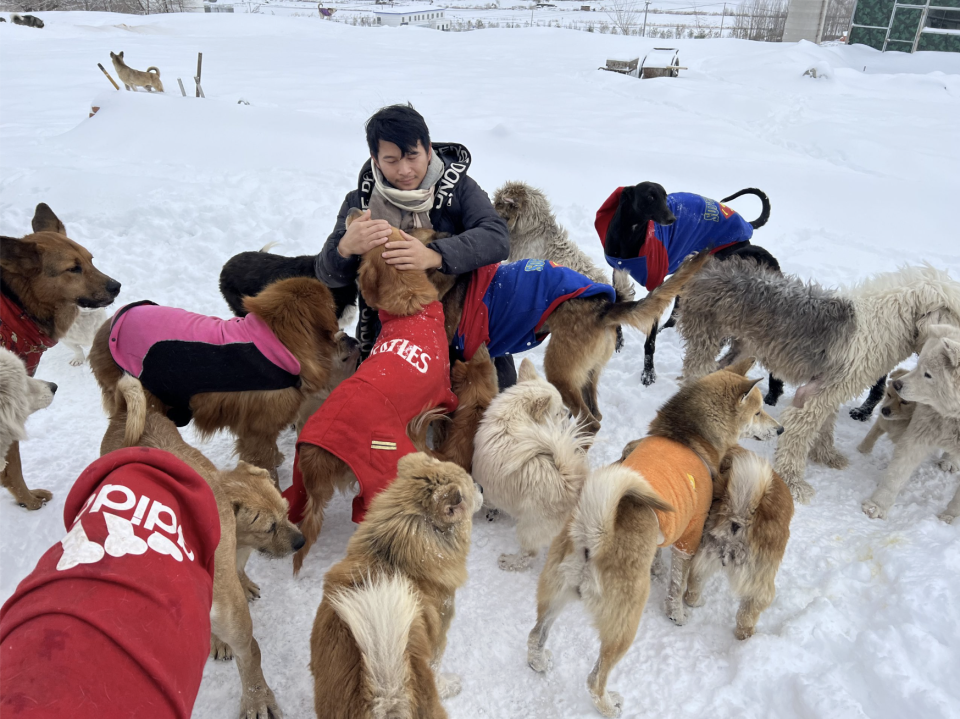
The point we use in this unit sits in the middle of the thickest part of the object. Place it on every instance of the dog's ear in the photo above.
(746, 387)
(951, 349)
(527, 372)
(19, 256)
(896, 374)
(354, 213)
(45, 221)
(742, 366)
(121, 55)
(453, 508)
(237, 506)
(941, 330)
(538, 410)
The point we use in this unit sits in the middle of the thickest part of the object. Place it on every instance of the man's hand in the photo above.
(411, 254)
(363, 234)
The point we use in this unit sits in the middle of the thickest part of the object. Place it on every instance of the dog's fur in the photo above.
(475, 385)
(132, 79)
(20, 396)
(27, 20)
(834, 343)
(253, 516)
(934, 384)
(51, 277)
(895, 415)
(82, 332)
(246, 274)
(536, 234)
(604, 554)
(299, 311)
(344, 364)
(401, 293)
(381, 629)
(746, 535)
(531, 461)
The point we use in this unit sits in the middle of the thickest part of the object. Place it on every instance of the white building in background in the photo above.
(419, 15)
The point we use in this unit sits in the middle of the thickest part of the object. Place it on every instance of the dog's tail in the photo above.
(380, 615)
(764, 213)
(154, 69)
(130, 389)
(418, 427)
(596, 511)
(643, 313)
(269, 246)
(750, 477)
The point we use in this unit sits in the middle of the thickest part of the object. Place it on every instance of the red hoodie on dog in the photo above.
(364, 420)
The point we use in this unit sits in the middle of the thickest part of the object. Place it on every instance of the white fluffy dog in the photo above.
(82, 332)
(934, 384)
(833, 343)
(530, 458)
(20, 396)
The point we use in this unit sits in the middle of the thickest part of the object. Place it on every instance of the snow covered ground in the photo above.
(862, 170)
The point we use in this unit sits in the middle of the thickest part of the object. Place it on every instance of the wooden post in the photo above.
(182, 91)
(199, 89)
(115, 85)
(199, 63)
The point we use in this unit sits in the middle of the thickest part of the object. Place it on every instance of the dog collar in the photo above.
(21, 334)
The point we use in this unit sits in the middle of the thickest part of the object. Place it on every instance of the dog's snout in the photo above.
(298, 542)
(113, 287)
(53, 387)
(479, 488)
(734, 527)
(780, 430)
(897, 385)
(668, 219)
(885, 411)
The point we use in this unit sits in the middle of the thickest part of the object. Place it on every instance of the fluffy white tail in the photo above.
(131, 390)
(379, 615)
(750, 476)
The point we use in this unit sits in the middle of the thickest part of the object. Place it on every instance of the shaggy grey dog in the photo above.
(833, 344)
(20, 396)
(536, 234)
(28, 20)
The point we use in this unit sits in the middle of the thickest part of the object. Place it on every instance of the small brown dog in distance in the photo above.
(132, 79)
(253, 516)
(45, 279)
(381, 629)
(895, 415)
(746, 535)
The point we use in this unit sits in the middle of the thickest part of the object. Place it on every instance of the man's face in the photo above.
(405, 172)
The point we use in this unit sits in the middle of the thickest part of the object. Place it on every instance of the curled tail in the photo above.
(154, 69)
(418, 427)
(131, 391)
(641, 314)
(380, 615)
(764, 213)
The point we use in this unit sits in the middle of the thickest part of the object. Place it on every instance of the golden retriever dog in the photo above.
(746, 535)
(895, 415)
(253, 516)
(45, 279)
(381, 629)
(531, 460)
(132, 79)
(604, 554)
(215, 386)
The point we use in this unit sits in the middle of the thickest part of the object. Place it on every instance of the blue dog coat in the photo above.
(507, 305)
(702, 224)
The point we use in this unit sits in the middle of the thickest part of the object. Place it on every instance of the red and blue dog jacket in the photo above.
(702, 224)
(177, 354)
(364, 420)
(508, 305)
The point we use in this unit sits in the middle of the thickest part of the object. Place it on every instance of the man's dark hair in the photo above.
(399, 124)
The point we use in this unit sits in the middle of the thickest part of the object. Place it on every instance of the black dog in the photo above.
(28, 20)
(244, 275)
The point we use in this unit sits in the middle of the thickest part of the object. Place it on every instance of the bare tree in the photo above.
(760, 20)
(836, 23)
(623, 15)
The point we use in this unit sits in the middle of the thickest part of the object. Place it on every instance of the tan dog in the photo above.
(604, 554)
(381, 629)
(746, 534)
(45, 279)
(253, 516)
(132, 79)
(895, 415)
(299, 311)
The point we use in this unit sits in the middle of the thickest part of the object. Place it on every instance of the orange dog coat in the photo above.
(681, 478)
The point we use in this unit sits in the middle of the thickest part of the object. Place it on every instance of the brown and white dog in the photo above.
(746, 535)
(381, 629)
(895, 415)
(604, 554)
(45, 278)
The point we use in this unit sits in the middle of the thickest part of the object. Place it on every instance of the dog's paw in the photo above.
(250, 588)
(801, 491)
(609, 705)
(539, 659)
(493, 515)
(448, 685)
(864, 448)
(693, 599)
(219, 650)
(675, 611)
(76, 361)
(873, 510)
(948, 464)
(258, 702)
(34, 499)
(742, 633)
(829, 456)
(860, 414)
(648, 377)
(515, 562)
(947, 517)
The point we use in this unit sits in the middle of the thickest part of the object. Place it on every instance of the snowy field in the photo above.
(862, 170)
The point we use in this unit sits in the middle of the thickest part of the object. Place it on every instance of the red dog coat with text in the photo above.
(364, 420)
(114, 622)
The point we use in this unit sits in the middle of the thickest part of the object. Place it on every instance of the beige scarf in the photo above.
(406, 209)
